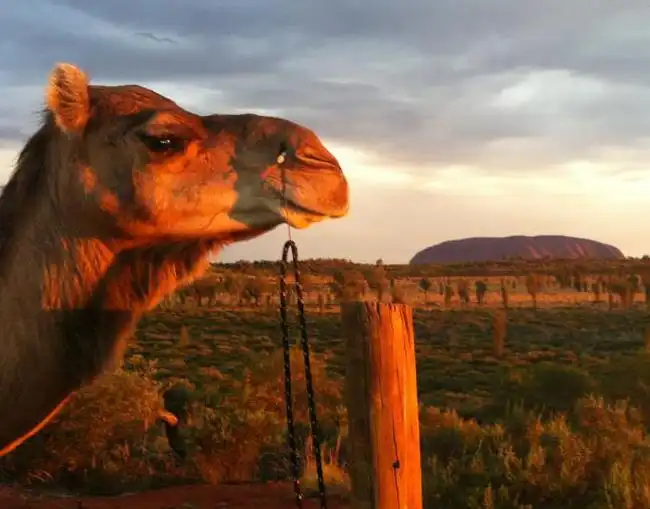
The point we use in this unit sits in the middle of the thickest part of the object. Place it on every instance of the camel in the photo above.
(116, 200)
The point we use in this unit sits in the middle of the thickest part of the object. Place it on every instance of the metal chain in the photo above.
(291, 245)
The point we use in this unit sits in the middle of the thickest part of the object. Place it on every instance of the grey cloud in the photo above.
(412, 81)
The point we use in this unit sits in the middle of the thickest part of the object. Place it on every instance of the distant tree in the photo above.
(576, 281)
(425, 286)
(309, 284)
(645, 279)
(254, 289)
(376, 278)
(348, 285)
(234, 286)
(532, 286)
(504, 293)
(596, 289)
(633, 284)
(449, 294)
(481, 289)
(463, 291)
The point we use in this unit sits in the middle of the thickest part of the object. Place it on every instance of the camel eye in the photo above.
(163, 144)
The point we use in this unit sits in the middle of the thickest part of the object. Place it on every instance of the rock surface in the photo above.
(478, 249)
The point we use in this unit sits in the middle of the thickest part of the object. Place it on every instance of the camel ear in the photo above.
(67, 97)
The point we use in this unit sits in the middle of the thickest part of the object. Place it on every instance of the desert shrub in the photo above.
(227, 443)
(548, 387)
(241, 435)
(104, 440)
(628, 379)
(599, 461)
(336, 479)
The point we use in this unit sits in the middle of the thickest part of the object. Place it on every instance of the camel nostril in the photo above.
(320, 161)
(316, 152)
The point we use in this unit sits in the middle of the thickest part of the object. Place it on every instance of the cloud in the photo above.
(423, 83)
(452, 98)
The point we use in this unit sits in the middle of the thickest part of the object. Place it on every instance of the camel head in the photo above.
(149, 170)
(115, 202)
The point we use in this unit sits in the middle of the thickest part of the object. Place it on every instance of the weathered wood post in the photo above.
(382, 402)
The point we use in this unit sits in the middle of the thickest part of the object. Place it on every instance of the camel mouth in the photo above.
(300, 217)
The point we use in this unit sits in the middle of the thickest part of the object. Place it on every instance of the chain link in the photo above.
(291, 245)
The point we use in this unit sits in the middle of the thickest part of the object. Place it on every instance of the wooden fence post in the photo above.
(382, 402)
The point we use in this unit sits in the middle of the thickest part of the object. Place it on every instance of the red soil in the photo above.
(262, 496)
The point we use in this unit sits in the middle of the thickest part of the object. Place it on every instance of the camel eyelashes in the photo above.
(162, 144)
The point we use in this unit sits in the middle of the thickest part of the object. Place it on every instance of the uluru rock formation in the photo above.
(478, 249)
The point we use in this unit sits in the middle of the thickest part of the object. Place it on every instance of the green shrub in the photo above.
(601, 461)
(229, 442)
(545, 387)
(628, 379)
(104, 440)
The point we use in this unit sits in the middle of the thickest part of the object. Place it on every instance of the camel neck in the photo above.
(54, 334)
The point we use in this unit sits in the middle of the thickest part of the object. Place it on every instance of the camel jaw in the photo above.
(300, 216)
(299, 220)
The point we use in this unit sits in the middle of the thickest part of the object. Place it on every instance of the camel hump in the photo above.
(67, 97)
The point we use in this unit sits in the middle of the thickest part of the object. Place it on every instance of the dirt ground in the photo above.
(266, 496)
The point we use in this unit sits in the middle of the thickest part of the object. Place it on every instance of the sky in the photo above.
(451, 119)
